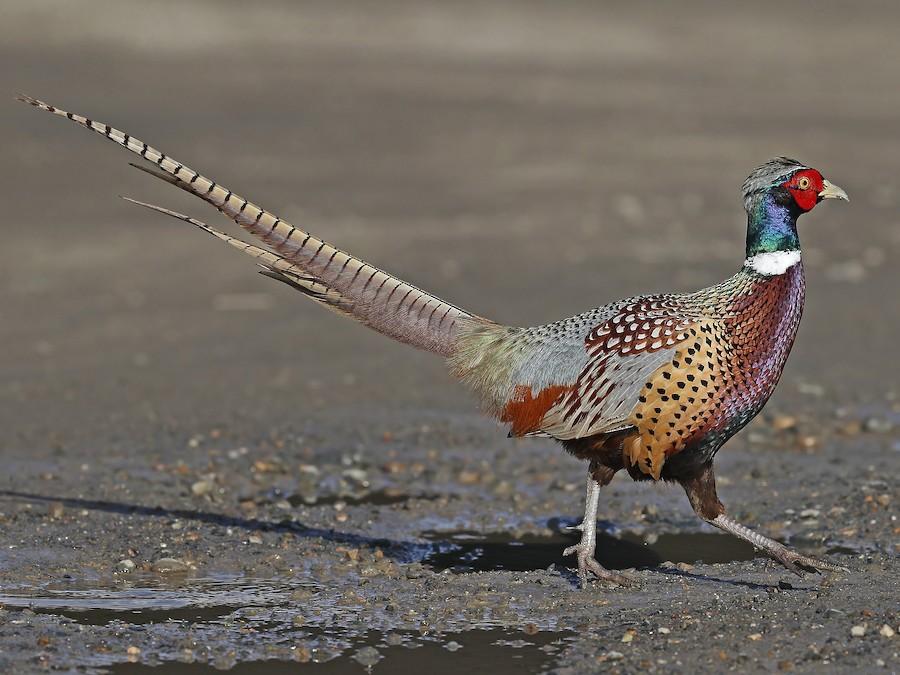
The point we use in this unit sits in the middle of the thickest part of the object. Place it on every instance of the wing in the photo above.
(619, 357)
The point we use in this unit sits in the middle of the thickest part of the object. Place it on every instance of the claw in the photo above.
(800, 564)
(791, 567)
(587, 565)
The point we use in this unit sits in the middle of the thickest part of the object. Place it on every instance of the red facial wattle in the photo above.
(805, 187)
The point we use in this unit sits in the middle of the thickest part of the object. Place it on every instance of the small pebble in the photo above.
(807, 441)
(125, 566)
(453, 646)
(858, 631)
(414, 571)
(367, 657)
(784, 422)
(811, 389)
(170, 566)
(886, 631)
(468, 477)
(202, 487)
(225, 661)
(614, 656)
(876, 425)
(358, 475)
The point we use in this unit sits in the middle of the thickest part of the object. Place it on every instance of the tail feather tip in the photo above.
(30, 100)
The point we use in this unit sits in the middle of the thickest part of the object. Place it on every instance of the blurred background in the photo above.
(201, 465)
(525, 160)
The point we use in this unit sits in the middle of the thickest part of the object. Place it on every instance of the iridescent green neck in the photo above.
(771, 225)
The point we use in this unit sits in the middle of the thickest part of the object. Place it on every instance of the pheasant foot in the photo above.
(585, 549)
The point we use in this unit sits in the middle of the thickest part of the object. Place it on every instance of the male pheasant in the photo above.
(653, 384)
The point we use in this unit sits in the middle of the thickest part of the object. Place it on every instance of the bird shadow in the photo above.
(572, 577)
(753, 585)
(399, 550)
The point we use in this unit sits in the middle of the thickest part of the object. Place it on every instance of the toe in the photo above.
(800, 571)
(816, 565)
(604, 574)
(798, 564)
(788, 559)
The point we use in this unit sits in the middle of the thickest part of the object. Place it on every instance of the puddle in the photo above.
(477, 552)
(195, 601)
(98, 616)
(497, 652)
(249, 625)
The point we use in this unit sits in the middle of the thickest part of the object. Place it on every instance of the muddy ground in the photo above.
(205, 471)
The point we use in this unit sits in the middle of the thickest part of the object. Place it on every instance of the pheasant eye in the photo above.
(803, 183)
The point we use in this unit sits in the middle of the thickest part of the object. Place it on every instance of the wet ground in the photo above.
(205, 472)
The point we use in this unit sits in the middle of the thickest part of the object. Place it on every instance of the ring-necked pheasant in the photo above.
(654, 384)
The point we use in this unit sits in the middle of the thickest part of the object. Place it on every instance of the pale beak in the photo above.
(830, 191)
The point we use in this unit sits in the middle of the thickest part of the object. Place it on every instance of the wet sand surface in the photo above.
(206, 471)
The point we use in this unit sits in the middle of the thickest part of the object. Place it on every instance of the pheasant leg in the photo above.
(584, 549)
(701, 491)
(795, 562)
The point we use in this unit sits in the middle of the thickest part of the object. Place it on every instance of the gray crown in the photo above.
(771, 173)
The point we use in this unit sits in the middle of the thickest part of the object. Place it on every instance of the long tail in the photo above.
(273, 265)
(341, 281)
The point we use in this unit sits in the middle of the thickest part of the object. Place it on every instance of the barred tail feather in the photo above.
(273, 266)
(374, 297)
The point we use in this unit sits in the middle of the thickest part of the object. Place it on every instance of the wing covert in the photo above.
(622, 354)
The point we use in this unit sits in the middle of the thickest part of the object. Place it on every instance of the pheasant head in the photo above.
(775, 195)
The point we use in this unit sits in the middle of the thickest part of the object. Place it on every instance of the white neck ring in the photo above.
(772, 264)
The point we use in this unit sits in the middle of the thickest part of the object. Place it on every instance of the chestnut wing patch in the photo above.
(525, 411)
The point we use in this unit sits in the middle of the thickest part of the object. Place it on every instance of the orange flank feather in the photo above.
(524, 411)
